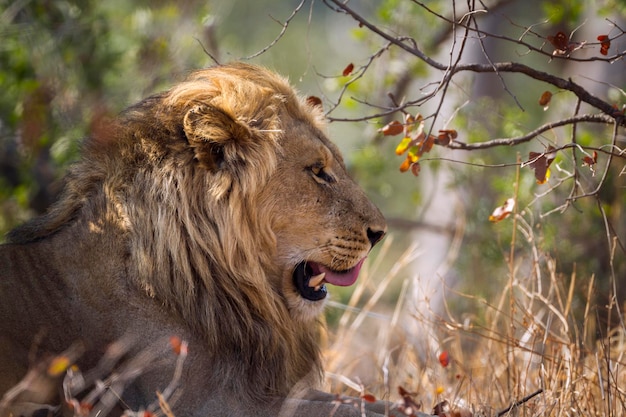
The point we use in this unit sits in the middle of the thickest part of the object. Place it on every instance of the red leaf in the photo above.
(588, 160)
(369, 398)
(392, 128)
(591, 161)
(444, 358)
(314, 101)
(605, 44)
(560, 41)
(348, 70)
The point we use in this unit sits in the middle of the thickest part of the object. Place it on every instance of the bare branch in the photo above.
(589, 118)
(584, 95)
(530, 47)
(410, 46)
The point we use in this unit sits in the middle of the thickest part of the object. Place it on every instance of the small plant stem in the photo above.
(511, 329)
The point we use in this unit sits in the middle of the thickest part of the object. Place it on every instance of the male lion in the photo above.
(216, 212)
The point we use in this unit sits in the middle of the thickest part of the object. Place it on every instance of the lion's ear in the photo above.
(215, 135)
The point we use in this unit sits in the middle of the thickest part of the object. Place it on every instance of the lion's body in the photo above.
(187, 217)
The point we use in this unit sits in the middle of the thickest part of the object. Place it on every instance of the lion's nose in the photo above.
(374, 236)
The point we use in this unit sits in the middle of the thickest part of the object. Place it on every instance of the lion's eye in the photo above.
(321, 175)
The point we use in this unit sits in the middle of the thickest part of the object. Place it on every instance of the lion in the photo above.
(218, 212)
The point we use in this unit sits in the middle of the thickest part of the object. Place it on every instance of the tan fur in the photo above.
(188, 217)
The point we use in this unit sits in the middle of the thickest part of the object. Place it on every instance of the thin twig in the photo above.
(213, 58)
(280, 35)
(520, 402)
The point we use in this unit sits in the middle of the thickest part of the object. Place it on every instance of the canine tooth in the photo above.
(317, 280)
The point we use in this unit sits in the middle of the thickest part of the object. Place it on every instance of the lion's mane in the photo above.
(139, 184)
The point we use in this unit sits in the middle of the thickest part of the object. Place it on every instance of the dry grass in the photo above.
(530, 340)
(528, 351)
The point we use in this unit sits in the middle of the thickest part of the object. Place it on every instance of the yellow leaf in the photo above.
(58, 365)
(403, 146)
(414, 154)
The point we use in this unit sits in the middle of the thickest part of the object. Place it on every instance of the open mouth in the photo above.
(310, 279)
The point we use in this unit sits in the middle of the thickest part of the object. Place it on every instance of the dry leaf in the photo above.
(368, 398)
(444, 358)
(392, 128)
(405, 165)
(562, 44)
(605, 44)
(348, 69)
(502, 212)
(446, 136)
(427, 144)
(416, 168)
(540, 162)
(591, 161)
(544, 100)
(314, 101)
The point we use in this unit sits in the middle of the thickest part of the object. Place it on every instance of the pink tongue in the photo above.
(344, 279)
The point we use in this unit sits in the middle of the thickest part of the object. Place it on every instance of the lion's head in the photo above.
(256, 186)
(224, 201)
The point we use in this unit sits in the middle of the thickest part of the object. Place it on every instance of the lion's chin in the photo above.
(310, 279)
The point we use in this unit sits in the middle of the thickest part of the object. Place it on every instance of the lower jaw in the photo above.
(301, 278)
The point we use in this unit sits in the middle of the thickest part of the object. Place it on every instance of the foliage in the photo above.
(60, 66)
(496, 79)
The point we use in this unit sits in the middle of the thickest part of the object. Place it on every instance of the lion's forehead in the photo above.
(309, 136)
